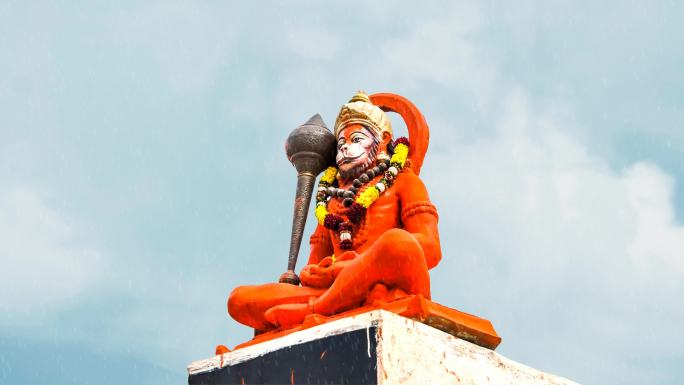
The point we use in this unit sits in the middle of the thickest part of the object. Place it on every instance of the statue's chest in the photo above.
(381, 216)
(387, 206)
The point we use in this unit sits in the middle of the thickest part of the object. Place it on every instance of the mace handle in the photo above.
(305, 184)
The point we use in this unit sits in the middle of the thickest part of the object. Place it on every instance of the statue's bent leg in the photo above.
(396, 259)
(247, 304)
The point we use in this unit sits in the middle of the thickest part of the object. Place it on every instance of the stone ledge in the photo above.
(457, 323)
(377, 347)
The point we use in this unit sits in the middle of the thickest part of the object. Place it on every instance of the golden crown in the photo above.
(360, 110)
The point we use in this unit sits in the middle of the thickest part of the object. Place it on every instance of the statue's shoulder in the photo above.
(409, 186)
(413, 197)
(408, 177)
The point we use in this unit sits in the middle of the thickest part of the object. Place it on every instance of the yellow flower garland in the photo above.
(363, 201)
(329, 175)
(368, 197)
(400, 154)
(321, 212)
(371, 194)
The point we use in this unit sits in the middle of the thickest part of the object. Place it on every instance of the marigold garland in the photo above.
(400, 155)
(321, 212)
(356, 212)
(368, 197)
(357, 209)
(333, 221)
(329, 176)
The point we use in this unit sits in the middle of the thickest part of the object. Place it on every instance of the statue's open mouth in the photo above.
(349, 159)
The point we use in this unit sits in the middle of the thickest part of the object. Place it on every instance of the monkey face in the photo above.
(357, 148)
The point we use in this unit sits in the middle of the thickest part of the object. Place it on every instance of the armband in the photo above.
(418, 208)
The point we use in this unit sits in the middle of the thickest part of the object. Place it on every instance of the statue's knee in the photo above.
(398, 245)
(400, 240)
(237, 300)
(396, 234)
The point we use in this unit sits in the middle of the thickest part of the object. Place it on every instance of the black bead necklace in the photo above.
(348, 195)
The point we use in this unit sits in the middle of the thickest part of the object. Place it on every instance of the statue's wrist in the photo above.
(338, 267)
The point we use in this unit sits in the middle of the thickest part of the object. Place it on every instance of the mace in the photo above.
(310, 148)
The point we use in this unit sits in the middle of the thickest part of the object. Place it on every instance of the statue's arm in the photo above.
(321, 245)
(419, 216)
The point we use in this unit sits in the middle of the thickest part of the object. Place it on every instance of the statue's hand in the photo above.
(324, 273)
(325, 262)
(318, 276)
(347, 256)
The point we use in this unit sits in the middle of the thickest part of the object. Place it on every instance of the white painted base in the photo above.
(408, 352)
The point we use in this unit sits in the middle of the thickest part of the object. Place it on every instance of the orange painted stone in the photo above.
(393, 247)
(462, 325)
(221, 349)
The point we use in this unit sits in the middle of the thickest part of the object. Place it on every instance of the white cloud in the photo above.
(563, 247)
(650, 192)
(42, 268)
(445, 53)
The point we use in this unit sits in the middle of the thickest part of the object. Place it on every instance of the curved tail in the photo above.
(419, 132)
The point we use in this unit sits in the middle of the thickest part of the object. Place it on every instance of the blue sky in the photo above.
(143, 176)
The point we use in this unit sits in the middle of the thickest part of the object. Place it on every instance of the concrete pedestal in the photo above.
(377, 347)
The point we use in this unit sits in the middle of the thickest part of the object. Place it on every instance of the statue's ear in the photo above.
(386, 139)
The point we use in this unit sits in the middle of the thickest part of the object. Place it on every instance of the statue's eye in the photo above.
(356, 140)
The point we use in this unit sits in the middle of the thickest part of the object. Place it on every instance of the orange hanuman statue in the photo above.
(377, 235)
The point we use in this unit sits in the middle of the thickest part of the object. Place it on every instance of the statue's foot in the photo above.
(221, 349)
(287, 316)
(381, 294)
